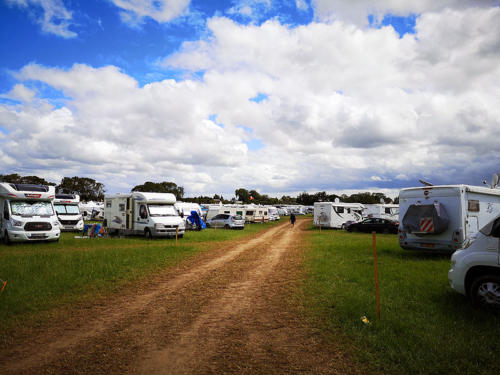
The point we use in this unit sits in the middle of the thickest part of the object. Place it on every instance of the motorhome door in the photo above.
(141, 215)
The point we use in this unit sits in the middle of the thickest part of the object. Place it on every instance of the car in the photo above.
(374, 225)
(475, 268)
(226, 221)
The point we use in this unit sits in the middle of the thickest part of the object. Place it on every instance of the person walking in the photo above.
(292, 219)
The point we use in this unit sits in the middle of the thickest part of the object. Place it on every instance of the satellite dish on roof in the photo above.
(494, 180)
(337, 200)
(425, 183)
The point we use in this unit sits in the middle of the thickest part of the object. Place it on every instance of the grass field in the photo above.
(42, 276)
(425, 327)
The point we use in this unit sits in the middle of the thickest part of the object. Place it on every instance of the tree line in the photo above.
(92, 190)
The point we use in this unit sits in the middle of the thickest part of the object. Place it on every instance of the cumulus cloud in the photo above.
(358, 11)
(52, 15)
(346, 107)
(160, 10)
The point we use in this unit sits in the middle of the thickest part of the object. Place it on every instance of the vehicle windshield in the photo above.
(66, 209)
(31, 208)
(237, 217)
(162, 210)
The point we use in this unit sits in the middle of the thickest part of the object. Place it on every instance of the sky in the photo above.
(278, 96)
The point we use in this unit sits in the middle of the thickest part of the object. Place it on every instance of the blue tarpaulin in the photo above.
(197, 220)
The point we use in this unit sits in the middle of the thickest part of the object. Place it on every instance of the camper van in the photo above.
(442, 217)
(184, 209)
(148, 214)
(475, 269)
(66, 207)
(28, 213)
(92, 210)
(336, 215)
(382, 211)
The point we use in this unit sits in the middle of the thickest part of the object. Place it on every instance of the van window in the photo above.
(6, 211)
(143, 212)
(339, 210)
(108, 203)
(495, 230)
(387, 210)
(473, 205)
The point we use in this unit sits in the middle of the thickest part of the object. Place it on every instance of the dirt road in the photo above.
(230, 310)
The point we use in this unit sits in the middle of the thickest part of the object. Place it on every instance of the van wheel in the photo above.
(180, 235)
(147, 234)
(226, 226)
(6, 239)
(485, 291)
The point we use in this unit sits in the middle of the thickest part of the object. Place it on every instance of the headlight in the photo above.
(17, 223)
(55, 223)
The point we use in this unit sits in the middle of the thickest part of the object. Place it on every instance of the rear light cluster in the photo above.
(456, 238)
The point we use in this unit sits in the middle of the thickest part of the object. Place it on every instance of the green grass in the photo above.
(44, 276)
(425, 327)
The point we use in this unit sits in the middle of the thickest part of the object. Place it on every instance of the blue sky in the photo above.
(344, 91)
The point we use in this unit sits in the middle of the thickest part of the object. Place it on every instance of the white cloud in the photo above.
(346, 107)
(301, 4)
(160, 10)
(358, 11)
(55, 18)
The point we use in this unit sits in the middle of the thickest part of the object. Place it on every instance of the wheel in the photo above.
(180, 235)
(342, 227)
(226, 226)
(147, 234)
(485, 291)
(6, 239)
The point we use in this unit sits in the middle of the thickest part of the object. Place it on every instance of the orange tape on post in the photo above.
(3, 287)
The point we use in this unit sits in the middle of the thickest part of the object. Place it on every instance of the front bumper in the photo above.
(23, 236)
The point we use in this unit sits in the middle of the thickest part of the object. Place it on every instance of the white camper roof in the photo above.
(468, 188)
(67, 199)
(27, 191)
(341, 204)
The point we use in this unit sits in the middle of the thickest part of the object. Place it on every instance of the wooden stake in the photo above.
(375, 266)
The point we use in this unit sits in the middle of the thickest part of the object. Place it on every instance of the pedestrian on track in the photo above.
(292, 219)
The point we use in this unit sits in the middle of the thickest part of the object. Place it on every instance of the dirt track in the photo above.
(230, 310)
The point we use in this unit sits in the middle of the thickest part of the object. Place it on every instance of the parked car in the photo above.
(374, 225)
(226, 221)
(475, 269)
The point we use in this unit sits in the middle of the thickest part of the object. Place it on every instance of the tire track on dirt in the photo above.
(43, 350)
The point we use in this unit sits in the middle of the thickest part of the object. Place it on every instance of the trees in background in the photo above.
(88, 188)
(161, 187)
(14, 178)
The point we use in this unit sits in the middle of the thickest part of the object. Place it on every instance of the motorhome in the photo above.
(28, 213)
(273, 213)
(256, 214)
(184, 209)
(92, 210)
(381, 211)
(68, 213)
(475, 269)
(442, 217)
(336, 214)
(148, 214)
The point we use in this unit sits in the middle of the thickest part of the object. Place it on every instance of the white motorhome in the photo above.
(273, 213)
(336, 215)
(148, 214)
(28, 213)
(68, 213)
(256, 214)
(92, 210)
(443, 217)
(382, 211)
(475, 269)
(184, 209)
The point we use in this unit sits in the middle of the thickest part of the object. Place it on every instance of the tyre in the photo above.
(342, 226)
(6, 239)
(485, 291)
(180, 235)
(147, 234)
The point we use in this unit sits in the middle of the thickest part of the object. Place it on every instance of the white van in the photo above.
(475, 269)
(68, 213)
(28, 213)
(382, 211)
(442, 217)
(184, 209)
(148, 214)
(336, 215)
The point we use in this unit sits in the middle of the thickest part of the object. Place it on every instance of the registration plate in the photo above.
(37, 236)
(428, 245)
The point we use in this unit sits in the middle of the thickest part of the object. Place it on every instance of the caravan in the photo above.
(382, 211)
(444, 217)
(148, 214)
(66, 207)
(336, 215)
(28, 213)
